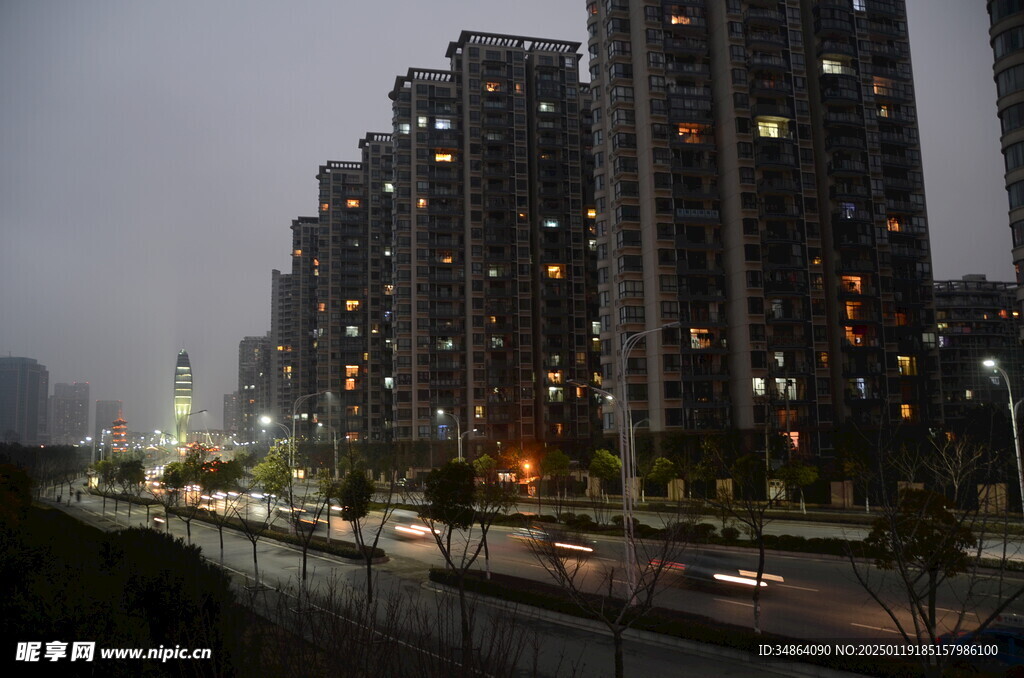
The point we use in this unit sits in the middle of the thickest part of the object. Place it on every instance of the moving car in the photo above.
(558, 540)
(716, 568)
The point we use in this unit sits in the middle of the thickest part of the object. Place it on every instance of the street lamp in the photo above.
(458, 427)
(267, 421)
(295, 427)
(1013, 422)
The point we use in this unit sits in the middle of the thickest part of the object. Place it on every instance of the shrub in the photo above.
(730, 534)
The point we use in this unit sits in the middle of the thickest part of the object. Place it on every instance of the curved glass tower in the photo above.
(182, 395)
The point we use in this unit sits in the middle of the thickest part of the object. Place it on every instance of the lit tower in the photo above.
(119, 434)
(182, 395)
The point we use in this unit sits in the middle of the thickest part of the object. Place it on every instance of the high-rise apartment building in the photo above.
(977, 320)
(490, 246)
(760, 210)
(1006, 32)
(24, 385)
(231, 416)
(106, 412)
(68, 413)
(353, 293)
(253, 384)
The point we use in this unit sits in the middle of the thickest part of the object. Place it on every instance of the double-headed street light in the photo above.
(1013, 422)
(458, 427)
(267, 421)
(295, 426)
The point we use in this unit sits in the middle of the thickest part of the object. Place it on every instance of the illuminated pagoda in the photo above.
(182, 395)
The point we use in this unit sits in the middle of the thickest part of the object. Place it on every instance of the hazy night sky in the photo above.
(153, 155)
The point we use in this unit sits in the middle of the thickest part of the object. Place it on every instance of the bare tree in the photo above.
(595, 589)
(747, 496)
(921, 548)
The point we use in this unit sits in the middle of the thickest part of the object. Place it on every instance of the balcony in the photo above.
(833, 27)
(697, 215)
(686, 68)
(898, 160)
(845, 166)
(773, 110)
(778, 186)
(837, 47)
(765, 39)
(686, 45)
(775, 211)
(765, 87)
(773, 61)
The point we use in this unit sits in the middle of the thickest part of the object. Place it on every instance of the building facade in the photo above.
(489, 246)
(1006, 33)
(68, 413)
(760, 210)
(253, 386)
(106, 412)
(24, 385)
(978, 320)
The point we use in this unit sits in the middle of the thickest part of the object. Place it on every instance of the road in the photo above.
(563, 641)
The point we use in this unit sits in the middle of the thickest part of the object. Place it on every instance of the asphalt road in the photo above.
(565, 644)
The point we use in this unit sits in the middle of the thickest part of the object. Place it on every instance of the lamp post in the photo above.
(267, 421)
(295, 427)
(458, 427)
(1013, 422)
(632, 446)
(627, 505)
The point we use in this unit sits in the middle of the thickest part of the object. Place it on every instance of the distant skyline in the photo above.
(153, 155)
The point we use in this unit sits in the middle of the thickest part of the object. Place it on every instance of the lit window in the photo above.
(558, 429)
(322, 306)
(352, 305)
(478, 411)
(556, 271)
(852, 284)
(422, 203)
(758, 384)
(497, 342)
(324, 206)
(769, 128)
(555, 377)
(884, 111)
(351, 370)
(680, 19)
(442, 123)
(350, 384)
(403, 128)
(352, 202)
(691, 133)
(907, 365)
(893, 224)
(546, 107)
(351, 330)
(832, 66)
(389, 187)
(907, 412)
(352, 436)
(551, 223)
(700, 338)
(297, 253)
(352, 410)
(445, 256)
(882, 86)
(492, 86)
(591, 213)
(443, 156)
(855, 310)
(555, 394)
(421, 121)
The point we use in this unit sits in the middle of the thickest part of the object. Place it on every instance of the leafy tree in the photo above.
(663, 471)
(106, 472)
(795, 473)
(129, 475)
(355, 494)
(606, 467)
(183, 478)
(485, 465)
(272, 476)
(555, 465)
(453, 503)
(219, 478)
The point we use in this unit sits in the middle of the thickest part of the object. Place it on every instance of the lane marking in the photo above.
(957, 612)
(734, 602)
(873, 628)
(798, 588)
